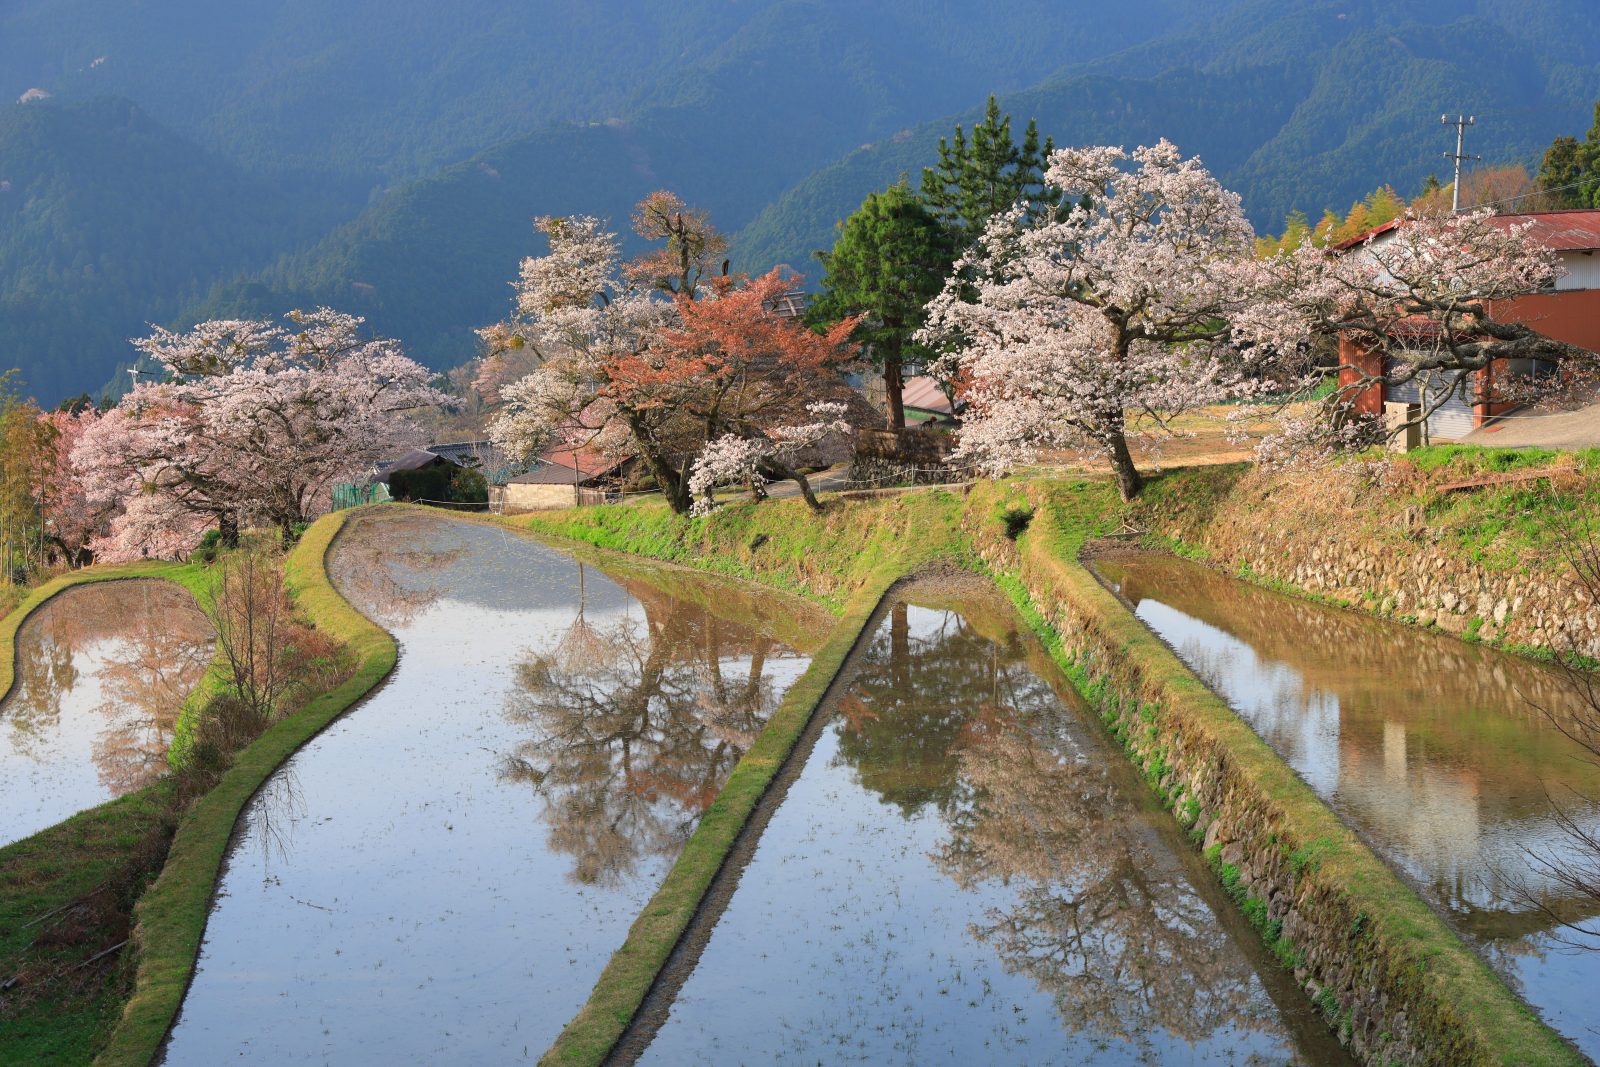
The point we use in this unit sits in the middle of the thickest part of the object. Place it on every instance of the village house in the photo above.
(1569, 311)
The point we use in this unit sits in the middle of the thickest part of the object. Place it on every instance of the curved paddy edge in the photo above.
(1320, 897)
(170, 919)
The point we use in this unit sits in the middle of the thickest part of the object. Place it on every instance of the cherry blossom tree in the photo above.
(72, 520)
(1417, 304)
(753, 459)
(655, 358)
(254, 425)
(1133, 294)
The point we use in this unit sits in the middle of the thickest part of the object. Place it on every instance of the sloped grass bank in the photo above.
(171, 916)
(1389, 976)
(67, 892)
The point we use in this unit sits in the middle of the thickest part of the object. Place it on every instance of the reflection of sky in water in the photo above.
(1463, 829)
(1024, 911)
(395, 896)
(101, 671)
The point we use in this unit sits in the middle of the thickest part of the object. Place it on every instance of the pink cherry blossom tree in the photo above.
(71, 519)
(1416, 304)
(254, 425)
(1137, 297)
(752, 458)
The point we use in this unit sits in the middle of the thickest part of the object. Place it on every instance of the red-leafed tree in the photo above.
(660, 356)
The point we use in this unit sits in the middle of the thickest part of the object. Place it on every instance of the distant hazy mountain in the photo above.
(109, 221)
(1294, 105)
(397, 87)
(730, 101)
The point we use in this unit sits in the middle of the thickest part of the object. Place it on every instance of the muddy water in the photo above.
(964, 871)
(101, 671)
(1431, 748)
(442, 874)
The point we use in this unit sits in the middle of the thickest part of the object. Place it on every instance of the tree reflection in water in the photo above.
(393, 586)
(145, 643)
(637, 724)
(1100, 913)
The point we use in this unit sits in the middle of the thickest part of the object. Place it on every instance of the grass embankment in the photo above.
(67, 892)
(851, 553)
(171, 916)
(1391, 502)
(1461, 1012)
(846, 559)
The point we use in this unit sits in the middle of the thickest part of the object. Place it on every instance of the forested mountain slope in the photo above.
(1306, 105)
(431, 259)
(109, 221)
(397, 87)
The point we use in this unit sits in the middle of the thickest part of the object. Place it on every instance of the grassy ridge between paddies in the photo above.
(1459, 1010)
(853, 550)
(171, 917)
(102, 857)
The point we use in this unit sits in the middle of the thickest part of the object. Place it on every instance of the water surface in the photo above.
(965, 871)
(1435, 750)
(441, 875)
(101, 672)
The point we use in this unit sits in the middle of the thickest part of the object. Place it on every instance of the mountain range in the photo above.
(389, 159)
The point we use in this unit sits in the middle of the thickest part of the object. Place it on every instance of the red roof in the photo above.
(1560, 231)
(1577, 230)
(589, 462)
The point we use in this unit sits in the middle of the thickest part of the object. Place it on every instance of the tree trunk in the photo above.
(1128, 480)
(228, 528)
(894, 389)
(783, 470)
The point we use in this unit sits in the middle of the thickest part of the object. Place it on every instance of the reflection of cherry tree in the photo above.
(941, 716)
(370, 571)
(45, 670)
(144, 681)
(910, 701)
(635, 737)
(149, 645)
(1119, 941)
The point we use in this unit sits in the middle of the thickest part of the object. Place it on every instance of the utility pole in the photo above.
(1460, 123)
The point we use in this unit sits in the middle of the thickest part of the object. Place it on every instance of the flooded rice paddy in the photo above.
(1436, 751)
(101, 672)
(964, 870)
(442, 874)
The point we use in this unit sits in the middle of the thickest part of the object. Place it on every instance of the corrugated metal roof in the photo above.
(1577, 230)
(556, 466)
(1562, 231)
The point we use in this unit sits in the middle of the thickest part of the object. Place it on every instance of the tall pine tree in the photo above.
(980, 177)
(891, 257)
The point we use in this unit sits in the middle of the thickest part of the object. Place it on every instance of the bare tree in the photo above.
(253, 619)
(1573, 869)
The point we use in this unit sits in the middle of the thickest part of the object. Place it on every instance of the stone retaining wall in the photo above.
(1400, 572)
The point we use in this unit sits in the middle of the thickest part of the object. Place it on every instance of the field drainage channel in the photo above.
(442, 874)
(958, 865)
(1434, 750)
